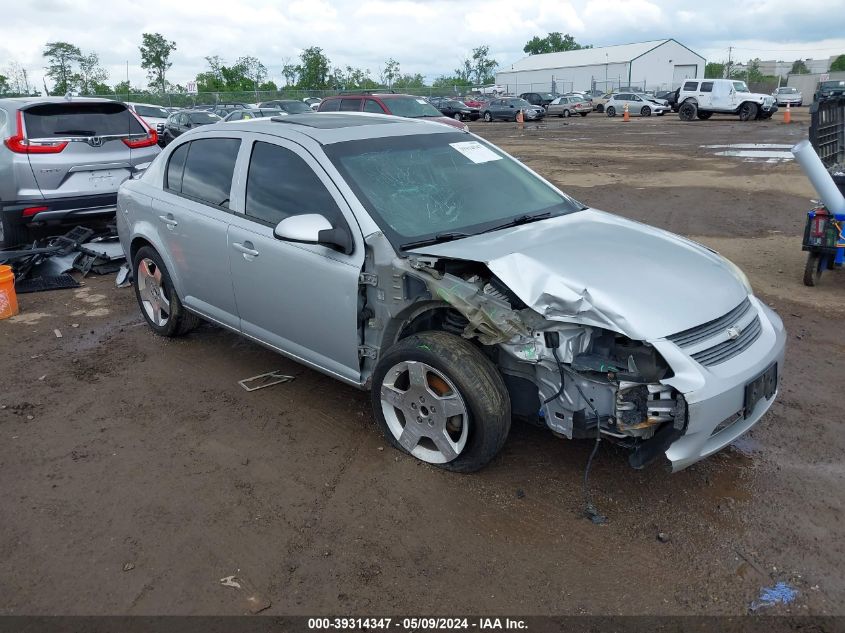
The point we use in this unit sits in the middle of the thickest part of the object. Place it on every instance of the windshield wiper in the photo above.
(437, 239)
(522, 219)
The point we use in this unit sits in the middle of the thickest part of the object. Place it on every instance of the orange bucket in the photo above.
(8, 298)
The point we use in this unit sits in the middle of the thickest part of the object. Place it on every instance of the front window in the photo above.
(412, 107)
(740, 86)
(421, 186)
(787, 91)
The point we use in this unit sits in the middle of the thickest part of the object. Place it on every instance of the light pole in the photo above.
(606, 65)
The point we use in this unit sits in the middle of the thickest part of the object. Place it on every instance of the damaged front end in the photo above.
(578, 380)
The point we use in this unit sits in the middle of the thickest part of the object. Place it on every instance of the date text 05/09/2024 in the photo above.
(417, 624)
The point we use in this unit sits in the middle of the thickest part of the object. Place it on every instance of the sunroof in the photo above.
(331, 121)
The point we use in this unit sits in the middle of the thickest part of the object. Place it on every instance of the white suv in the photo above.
(702, 97)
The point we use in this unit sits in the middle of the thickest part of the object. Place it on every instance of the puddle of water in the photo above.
(747, 445)
(771, 156)
(749, 146)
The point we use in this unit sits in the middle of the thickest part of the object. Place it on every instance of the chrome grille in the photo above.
(722, 350)
(711, 328)
(730, 348)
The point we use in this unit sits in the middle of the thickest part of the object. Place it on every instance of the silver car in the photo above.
(638, 105)
(788, 95)
(63, 159)
(460, 288)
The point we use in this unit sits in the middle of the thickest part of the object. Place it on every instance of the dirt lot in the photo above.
(136, 473)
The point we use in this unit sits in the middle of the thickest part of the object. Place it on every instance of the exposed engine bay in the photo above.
(568, 377)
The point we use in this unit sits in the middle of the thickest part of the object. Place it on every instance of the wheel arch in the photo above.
(144, 238)
(424, 316)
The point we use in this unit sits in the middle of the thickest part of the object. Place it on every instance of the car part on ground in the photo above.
(499, 284)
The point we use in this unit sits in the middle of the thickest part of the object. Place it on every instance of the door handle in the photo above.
(247, 250)
(169, 220)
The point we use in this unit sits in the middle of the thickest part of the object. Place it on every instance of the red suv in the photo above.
(398, 105)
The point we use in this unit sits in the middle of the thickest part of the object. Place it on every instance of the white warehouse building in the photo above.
(655, 65)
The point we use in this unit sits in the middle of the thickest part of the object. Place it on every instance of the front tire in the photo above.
(488, 117)
(583, 113)
(646, 111)
(157, 298)
(567, 113)
(457, 116)
(815, 266)
(437, 397)
(748, 111)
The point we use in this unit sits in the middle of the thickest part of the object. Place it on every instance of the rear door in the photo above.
(193, 216)
(709, 98)
(96, 159)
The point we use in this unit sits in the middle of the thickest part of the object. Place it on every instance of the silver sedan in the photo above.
(305, 234)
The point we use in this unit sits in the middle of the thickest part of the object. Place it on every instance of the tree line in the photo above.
(70, 69)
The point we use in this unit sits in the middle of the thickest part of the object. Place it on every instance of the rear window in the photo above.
(80, 119)
(294, 107)
(208, 171)
(330, 106)
(691, 85)
(412, 107)
(706, 86)
(203, 117)
(350, 105)
(151, 111)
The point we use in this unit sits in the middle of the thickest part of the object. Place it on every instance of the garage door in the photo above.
(683, 72)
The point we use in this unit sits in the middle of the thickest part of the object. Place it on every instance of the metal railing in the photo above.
(827, 130)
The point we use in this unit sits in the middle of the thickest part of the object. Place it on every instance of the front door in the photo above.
(300, 298)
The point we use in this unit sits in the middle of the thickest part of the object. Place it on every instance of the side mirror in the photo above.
(313, 228)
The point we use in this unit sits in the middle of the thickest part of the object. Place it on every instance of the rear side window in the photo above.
(175, 167)
(150, 111)
(280, 184)
(330, 106)
(691, 86)
(350, 105)
(208, 170)
(370, 105)
(80, 119)
(706, 86)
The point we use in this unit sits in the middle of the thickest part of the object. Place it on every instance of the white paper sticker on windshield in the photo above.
(476, 152)
(422, 101)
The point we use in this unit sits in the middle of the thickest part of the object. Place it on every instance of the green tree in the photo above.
(19, 78)
(61, 57)
(290, 72)
(91, 74)
(554, 42)
(155, 58)
(314, 69)
(799, 68)
(483, 66)
(390, 73)
(838, 64)
(453, 82)
(122, 88)
(714, 70)
(101, 88)
(4, 85)
(409, 82)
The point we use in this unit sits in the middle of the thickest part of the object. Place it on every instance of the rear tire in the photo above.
(152, 283)
(611, 111)
(449, 370)
(748, 111)
(12, 234)
(600, 108)
(688, 111)
(567, 113)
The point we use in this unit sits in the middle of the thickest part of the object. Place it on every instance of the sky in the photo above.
(429, 37)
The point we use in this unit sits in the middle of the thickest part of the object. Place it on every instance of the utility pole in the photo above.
(728, 68)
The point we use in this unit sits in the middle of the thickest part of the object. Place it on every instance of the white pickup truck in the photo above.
(701, 98)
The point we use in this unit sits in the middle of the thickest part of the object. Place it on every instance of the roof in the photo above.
(621, 53)
(327, 128)
(28, 100)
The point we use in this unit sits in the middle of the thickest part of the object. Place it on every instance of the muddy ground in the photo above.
(135, 473)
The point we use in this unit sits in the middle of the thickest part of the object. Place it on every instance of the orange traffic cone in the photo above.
(625, 115)
(520, 119)
(787, 116)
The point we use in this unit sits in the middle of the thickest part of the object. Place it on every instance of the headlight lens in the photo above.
(737, 271)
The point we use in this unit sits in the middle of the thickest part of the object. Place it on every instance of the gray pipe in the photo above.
(819, 176)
